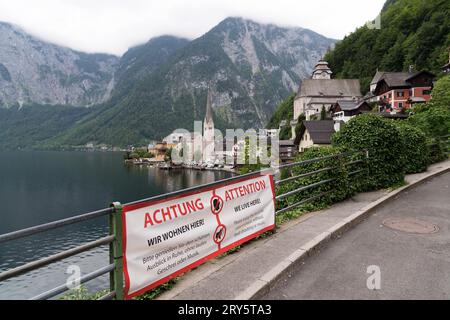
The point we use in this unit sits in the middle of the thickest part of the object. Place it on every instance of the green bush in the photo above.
(432, 119)
(441, 91)
(82, 293)
(134, 155)
(381, 139)
(340, 188)
(415, 155)
(436, 151)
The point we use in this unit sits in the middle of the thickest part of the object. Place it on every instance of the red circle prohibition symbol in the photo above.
(216, 204)
(220, 233)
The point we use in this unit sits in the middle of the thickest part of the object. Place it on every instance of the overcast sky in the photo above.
(113, 26)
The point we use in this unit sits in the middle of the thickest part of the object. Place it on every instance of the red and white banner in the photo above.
(164, 238)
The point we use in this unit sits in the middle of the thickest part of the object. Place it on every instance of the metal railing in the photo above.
(445, 140)
(293, 177)
(114, 212)
(114, 240)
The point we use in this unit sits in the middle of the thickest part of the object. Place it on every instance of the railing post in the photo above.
(367, 161)
(115, 250)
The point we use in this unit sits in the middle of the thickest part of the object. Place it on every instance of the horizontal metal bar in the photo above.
(108, 296)
(355, 172)
(353, 162)
(63, 288)
(53, 225)
(175, 193)
(54, 258)
(306, 162)
(297, 204)
(304, 175)
(310, 186)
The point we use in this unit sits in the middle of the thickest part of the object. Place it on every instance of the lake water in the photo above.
(39, 187)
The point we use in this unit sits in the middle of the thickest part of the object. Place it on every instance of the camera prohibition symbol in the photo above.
(216, 204)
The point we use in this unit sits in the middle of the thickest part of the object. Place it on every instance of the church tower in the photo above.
(208, 131)
(322, 71)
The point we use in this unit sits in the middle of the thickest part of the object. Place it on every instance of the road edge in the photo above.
(264, 284)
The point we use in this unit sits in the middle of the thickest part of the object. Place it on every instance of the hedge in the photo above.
(415, 147)
(436, 151)
(340, 188)
(381, 138)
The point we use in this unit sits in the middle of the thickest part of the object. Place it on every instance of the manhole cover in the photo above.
(411, 225)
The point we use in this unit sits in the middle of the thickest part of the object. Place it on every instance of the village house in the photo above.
(315, 134)
(287, 150)
(159, 151)
(344, 110)
(397, 91)
(323, 92)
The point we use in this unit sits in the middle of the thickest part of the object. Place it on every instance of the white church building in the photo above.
(322, 91)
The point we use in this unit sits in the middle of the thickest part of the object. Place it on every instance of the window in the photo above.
(410, 92)
(400, 105)
(426, 92)
(400, 94)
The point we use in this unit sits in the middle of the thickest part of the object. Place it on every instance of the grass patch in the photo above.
(82, 293)
(398, 185)
(154, 293)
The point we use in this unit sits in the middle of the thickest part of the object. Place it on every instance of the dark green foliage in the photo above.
(284, 111)
(340, 186)
(432, 119)
(285, 133)
(441, 92)
(323, 113)
(154, 293)
(436, 151)
(382, 139)
(30, 126)
(413, 32)
(138, 153)
(414, 146)
(82, 293)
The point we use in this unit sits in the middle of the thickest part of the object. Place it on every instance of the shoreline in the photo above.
(170, 167)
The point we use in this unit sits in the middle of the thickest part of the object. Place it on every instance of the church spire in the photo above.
(209, 113)
(322, 70)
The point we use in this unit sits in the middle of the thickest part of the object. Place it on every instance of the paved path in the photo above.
(251, 271)
(413, 266)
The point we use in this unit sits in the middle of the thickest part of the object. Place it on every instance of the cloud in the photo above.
(114, 25)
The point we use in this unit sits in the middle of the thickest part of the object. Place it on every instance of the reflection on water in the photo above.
(38, 187)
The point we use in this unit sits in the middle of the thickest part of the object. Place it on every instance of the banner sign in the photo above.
(164, 238)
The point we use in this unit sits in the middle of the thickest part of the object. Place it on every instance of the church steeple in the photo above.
(208, 131)
(322, 70)
(209, 112)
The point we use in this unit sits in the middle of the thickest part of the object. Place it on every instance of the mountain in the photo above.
(153, 88)
(413, 32)
(143, 60)
(35, 71)
(32, 125)
(249, 67)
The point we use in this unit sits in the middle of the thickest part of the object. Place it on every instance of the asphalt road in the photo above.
(411, 265)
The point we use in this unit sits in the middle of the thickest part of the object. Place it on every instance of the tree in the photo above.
(168, 155)
(441, 92)
(323, 113)
(284, 111)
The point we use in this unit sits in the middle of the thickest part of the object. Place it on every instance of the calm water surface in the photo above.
(39, 187)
